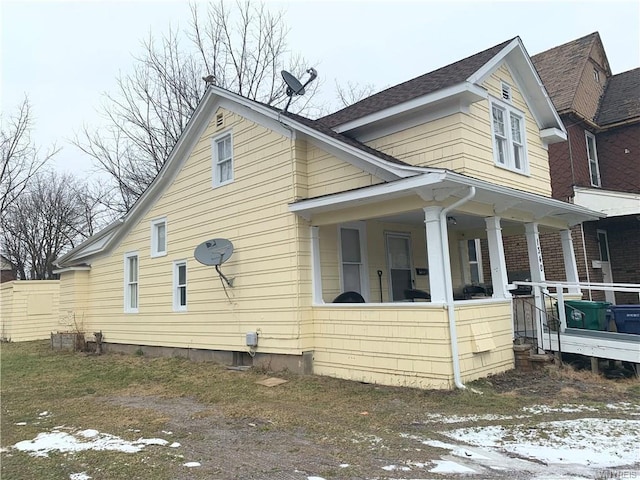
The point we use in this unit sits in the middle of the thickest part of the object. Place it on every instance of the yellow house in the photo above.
(379, 204)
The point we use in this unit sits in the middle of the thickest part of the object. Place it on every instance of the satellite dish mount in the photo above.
(215, 252)
(294, 87)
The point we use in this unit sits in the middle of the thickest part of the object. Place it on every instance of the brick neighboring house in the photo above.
(598, 167)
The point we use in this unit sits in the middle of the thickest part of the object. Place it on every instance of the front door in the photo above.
(400, 265)
(607, 276)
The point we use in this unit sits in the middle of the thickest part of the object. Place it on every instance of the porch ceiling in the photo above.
(403, 200)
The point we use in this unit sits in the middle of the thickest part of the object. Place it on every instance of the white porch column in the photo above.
(535, 252)
(435, 254)
(569, 257)
(499, 277)
(316, 273)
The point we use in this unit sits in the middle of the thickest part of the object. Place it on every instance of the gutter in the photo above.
(448, 286)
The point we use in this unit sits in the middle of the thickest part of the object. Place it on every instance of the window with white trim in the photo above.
(131, 282)
(159, 237)
(509, 144)
(353, 265)
(222, 159)
(592, 154)
(474, 262)
(180, 285)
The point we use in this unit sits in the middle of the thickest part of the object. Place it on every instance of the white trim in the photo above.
(154, 237)
(72, 269)
(588, 135)
(361, 227)
(176, 296)
(215, 161)
(316, 266)
(610, 203)
(466, 261)
(127, 284)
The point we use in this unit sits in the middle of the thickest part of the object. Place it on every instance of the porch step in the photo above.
(526, 360)
(541, 357)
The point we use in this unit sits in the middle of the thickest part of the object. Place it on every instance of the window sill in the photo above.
(131, 311)
(222, 184)
(159, 254)
(524, 173)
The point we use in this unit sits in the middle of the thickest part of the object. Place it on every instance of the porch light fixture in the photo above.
(452, 221)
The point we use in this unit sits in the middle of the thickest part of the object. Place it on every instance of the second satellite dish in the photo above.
(294, 87)
(213, 252)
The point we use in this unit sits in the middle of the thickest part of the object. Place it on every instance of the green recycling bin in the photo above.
(586, 314)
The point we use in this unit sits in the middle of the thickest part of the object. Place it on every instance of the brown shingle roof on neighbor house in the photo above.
(560, 69)
(621, 99)
(428, 83)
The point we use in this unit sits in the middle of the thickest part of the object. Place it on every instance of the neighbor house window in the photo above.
(159, 237)
(131, 282)
(222, 159)
(353, 268)
(594, 170)
(180, 285)
(509, 145)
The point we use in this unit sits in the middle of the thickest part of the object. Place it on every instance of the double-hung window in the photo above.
(180, 285)
(353, 266)
(594, 169)
(159, 237)
(131, 282)
(509, 144)
(222, 159)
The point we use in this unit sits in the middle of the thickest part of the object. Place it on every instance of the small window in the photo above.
(509, 143)
(131, 283)
(475, 262)
(596, 75)
(222, 160)
(180, 286)
(592, 154)
(159, 237)
(506, 92)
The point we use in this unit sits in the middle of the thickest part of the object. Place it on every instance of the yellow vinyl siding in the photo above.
(327, 174)
(30, 310)
(251, 212)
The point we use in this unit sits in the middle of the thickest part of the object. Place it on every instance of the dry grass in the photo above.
(120, 394)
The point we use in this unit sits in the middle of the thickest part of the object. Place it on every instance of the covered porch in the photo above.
(403, 291)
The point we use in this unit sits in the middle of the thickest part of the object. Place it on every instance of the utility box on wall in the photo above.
(252, 339)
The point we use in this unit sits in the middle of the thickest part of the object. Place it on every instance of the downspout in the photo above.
(448, 285)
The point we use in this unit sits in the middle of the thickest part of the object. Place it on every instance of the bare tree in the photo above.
(21, 158)
(51, 216)
(243, 47)
(353, 92)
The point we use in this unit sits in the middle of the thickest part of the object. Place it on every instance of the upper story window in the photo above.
(131, 282)
(180, 286)
(596, 75)
(509, 144)
(159, 237)
(592, 154)
(222, 159)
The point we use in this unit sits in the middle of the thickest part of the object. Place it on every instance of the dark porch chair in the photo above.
(413, 294)
(349, 297)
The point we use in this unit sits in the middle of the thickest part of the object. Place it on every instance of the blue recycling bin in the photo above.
(627, 318)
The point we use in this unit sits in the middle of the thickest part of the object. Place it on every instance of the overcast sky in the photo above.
(64, 55)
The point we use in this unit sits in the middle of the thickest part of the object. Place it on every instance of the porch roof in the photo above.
(439, 186)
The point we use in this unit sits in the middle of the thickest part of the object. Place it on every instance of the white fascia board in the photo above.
(92, 245)
(474, 93)
(553, 135)
(613, 204)
(367, 194)
(81, 268)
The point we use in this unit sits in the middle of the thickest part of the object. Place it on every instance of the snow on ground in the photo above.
(79, 476)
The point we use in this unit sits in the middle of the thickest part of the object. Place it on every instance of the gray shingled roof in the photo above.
(560, 69)
(444, 77)
(621, 99)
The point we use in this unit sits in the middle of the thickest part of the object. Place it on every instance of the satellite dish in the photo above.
(213, 252)
(294, 87)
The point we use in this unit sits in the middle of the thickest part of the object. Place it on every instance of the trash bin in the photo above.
(586, 314)
(627, 318)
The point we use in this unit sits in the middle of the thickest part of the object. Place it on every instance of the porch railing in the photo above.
(531, 321)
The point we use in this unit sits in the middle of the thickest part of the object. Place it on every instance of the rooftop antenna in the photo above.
(294, 87)
(209, 79)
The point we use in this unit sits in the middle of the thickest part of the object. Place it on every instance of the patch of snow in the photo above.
(344, 465)
(43, 414)
(85, 440)
(589, 442)
(389, 468)
(191, 464)
(315, 478)
(174, 445)
(21, 424)
(447, 466)
(3, 450)
(79, 476)
(167, 433)
(439, 418)
(566, 408)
